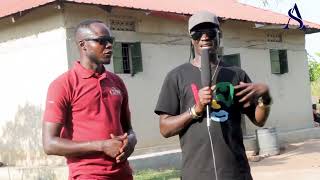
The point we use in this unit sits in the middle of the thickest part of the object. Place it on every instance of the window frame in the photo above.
(279, 61)
(134, 55)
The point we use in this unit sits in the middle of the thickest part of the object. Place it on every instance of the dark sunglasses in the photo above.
(196, 35)
(102, 40)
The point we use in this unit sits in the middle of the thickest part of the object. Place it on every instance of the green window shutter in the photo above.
(117, 57)
(283, 61)
(275, 61)
(136, 57)
(232, 60)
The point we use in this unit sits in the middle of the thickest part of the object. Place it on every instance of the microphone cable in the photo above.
(211, 145)
(208, 127)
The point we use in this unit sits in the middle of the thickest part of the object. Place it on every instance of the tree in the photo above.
(314, 70)
(314, 73)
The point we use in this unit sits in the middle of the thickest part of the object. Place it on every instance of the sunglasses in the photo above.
(211, 33)
(102, 40)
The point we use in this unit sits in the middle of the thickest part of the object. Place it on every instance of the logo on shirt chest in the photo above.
(115, 91)
(223, 99)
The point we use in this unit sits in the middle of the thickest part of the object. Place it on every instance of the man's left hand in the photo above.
(248, 92)
(127, 148)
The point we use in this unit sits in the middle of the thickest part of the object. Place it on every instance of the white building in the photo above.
(37, 44)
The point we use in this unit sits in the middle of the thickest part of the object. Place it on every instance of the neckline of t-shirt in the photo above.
(221, 64)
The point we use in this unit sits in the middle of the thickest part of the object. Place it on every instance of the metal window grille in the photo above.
(279, 61)
(126, 58)
(274, 37)
(122, 25)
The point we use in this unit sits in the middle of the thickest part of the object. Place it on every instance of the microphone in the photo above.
(206, 75)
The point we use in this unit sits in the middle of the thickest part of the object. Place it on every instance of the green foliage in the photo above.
(169, 174)
(314, 73)
(315, 88)
(314, 70)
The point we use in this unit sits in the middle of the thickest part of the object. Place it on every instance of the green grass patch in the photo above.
(169, 174)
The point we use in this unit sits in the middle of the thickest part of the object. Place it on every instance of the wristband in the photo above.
(263, 103)
(192, 112)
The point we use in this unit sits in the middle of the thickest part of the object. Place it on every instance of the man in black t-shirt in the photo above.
(217, 151)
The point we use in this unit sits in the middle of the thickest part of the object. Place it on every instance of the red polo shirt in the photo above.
(91, 107)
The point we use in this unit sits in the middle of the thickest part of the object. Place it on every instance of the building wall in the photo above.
(32, 54)
(165, 44)
(40, 46)
(291, 107)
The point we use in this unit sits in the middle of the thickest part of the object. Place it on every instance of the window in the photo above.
(127, 58)
(232, 60)
(274, 37)
(279, 61)
(122, 25)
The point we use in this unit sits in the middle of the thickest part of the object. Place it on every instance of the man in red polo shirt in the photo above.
(87, 117)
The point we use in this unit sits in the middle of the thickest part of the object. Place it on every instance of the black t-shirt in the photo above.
(178, 94)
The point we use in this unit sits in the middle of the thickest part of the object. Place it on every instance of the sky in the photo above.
(309, 10)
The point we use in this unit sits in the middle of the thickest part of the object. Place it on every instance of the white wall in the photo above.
(291, 107)
(144, 89)
(40, 45)
(27, 65)
(165, 44)
(32, 53)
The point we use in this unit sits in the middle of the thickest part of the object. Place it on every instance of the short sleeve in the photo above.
(245, 78)
(168, 102)
(56, 103)
(125, 110)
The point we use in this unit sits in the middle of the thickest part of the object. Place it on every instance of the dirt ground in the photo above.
(299, 161)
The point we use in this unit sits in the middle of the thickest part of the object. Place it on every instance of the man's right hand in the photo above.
(111, 147)
(205, 97)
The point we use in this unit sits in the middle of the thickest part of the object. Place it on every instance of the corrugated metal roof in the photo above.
(8, 7)
(230, 9)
